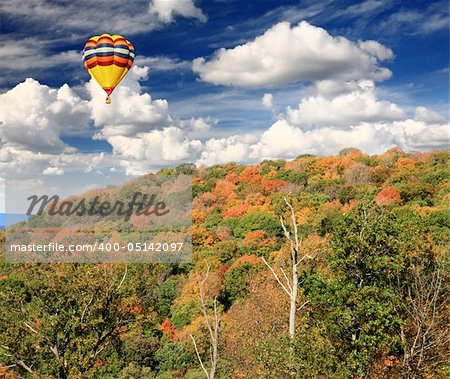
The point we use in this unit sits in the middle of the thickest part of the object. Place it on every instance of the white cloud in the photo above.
(53, 171)
(100, 160)
(169, 146)
(22, 163)
(201, 124)
(285, 54)
(283, 140)
(70, 19)
(362, 9)
(427, 115)
(198, 128)
(267, 101)
(56, 24)
(331, 88)
(27, 54)
(376, 50)
(131, 111)
(341, 114)
(223, 150)
(418, 135)
(145, 136)
(344, 110)
(2, 196)
(33, 116)
(429, 19)
(141, 131)
(166, 10)
(162, 63)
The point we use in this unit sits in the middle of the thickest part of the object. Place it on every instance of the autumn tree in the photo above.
(425, 333)
(290, 285)
(250, 325)
(213, 324)
(388, 196)
(61, 320)
(384, 299)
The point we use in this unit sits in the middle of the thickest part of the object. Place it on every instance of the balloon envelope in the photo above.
(108, 58)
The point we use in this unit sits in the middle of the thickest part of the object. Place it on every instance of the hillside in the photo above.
(373, 281)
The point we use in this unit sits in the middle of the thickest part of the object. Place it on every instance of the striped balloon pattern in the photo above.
(108, 58)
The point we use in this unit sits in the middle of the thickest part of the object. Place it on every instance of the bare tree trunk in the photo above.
(290, 286)
(293, 308)
(213, 329)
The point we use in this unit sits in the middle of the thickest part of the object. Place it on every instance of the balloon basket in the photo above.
(108, 100)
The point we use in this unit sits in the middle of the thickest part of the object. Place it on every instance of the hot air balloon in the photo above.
(108, 58)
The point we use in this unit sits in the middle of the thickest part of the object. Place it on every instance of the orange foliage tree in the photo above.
(247, 325)
(388, 196)
(169, 329)
(250, 174)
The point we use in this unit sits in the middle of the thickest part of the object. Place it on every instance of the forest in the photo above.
(320, 267)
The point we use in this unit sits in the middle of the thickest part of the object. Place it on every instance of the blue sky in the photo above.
(370, 74)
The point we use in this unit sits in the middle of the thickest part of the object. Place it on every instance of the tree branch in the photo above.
(123, 278)
(289, 293)
(198, 356)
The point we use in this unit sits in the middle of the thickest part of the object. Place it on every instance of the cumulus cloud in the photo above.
(166, 10)
(283, 140)
(427, 115)
(418, 135)
(2, 197)
(164, 147)
(267, 101)
(285, 54)
(231, 149)
(132, 110)
(200, 124)
(340, 114)
(22, 163)
(343, 110)
(145, 135)
(331, 88)
(141, 130)
(32, 116)
(198, 128)
(53, 171)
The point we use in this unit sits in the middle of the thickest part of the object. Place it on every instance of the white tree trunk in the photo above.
(293, 308)
(290, 287)
(213, 330)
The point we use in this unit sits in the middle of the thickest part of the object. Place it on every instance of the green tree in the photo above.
(63, 321)
(251, 221)
(372, 253)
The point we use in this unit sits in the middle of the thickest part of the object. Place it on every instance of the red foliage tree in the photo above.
(388, 196)
(223, 189)
(250, 174)
(222, 270)
(272, 185)
(235, 211)
(169, 329)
